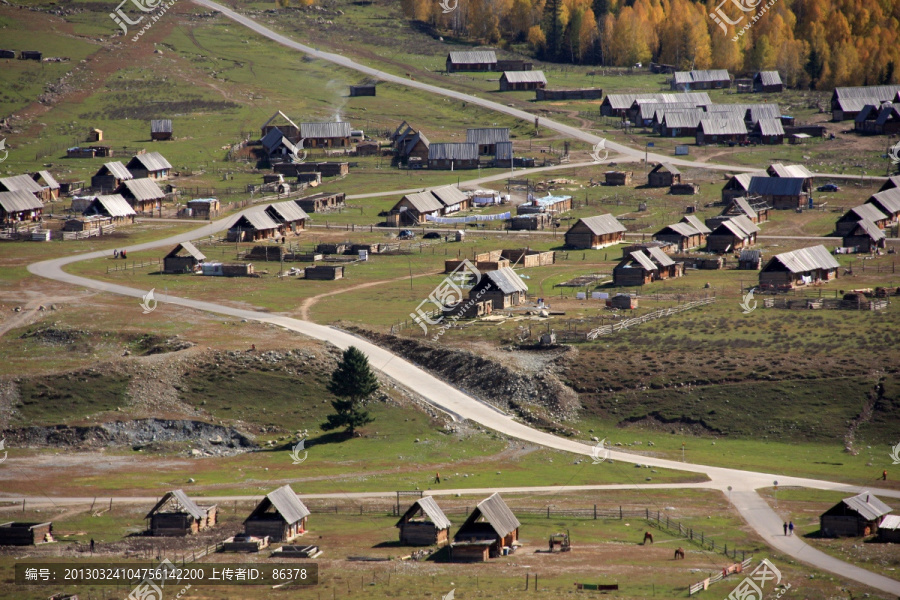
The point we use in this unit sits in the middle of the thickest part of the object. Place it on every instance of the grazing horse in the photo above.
(679, 553)
(647, 536)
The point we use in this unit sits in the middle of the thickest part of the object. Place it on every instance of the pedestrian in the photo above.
(884, 475)
(437, 477)
(785, 528)
(92, 546)
(123, 255)
(116, 253)
(791, 528)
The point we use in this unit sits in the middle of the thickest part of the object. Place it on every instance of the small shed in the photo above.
(622, 301)
(95, 135)
(161, 129)
(768, 131)
(30, 55)
(176, 514)
(530, 222)
(204, 207)
(325, 272)
(183, 258)
(7, 53)
(619, 177)
(512, 81)
(17, 533)
(595, 232)
(280, 516)
(889, 529)
(362, 90)
(750, 260)
(424, 524)
(323, 202)
(504, 287)
(853, 517)
(767, 82)
(489, 528)
(49, 185)
(663, 175)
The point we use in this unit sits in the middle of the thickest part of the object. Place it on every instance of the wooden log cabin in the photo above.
(16, 533)
(18, 207)
(635, 269)
(865, 237)
(290, 217)
(22, 183)
(595, 232)
(323, 202)
(161, 129)
(252, 227)
(183, 258)
(151, 165)
(503, 287)
(177, 515)
(280, 516)
(49, 185)
(663, 175)
(856, 516)
(144, 195)
(682, 235)
(424, 524)
(489, 528)
(110, 176)
(798, 268)
(512, 81)
(847, 222)
(732, 234)
(113, 206)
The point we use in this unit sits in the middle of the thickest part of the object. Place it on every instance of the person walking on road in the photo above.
(791, 528)
(785, 528)
(437, 477)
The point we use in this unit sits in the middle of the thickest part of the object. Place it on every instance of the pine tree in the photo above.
(553, 29)
(352, 382)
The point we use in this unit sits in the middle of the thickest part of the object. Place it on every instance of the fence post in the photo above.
(548, 512)
(595, 512)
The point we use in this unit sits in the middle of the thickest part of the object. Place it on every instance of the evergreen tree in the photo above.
(553, 29)
(352, 382)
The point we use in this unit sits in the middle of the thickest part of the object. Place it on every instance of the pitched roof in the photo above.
(283, 116)
(22, 183)
(764, 111)
(888, 112)
(768, 77)
(257, 219)
(744, 207)
(453, 151)
(640, 258)
(487, 135)
(777, 186)
(188, 247)
(423, 202)
(114, 205)
(746, 224)
(142, 189)
(431, 509)
(524, 76)
(602, 224)
(648, 108)
(152, 161)
(623, 101)
(274, 138)
(698, 76)
(805, 259)
(117, 170)
(723, 125)
(506, 280)
(339, 129)
(682, 229)
(161, 126)
(680, 118)
(471, 57)
(888, 200)
(449, 195)
(867, 505)
(182, 501)
(696, 223)
(743, 180)
(750, 255)
(48, 179)
(285, 502)
(668, 167)
(286, 212)
(867, 227)
(660, 257)
(401, 128)
(890, 522)
(494, 510)
(412, 141)
(865, 211)
(770, 127)
(890, 183)
(780, 170)
(740, 227)
(880, 93)
(19, 200)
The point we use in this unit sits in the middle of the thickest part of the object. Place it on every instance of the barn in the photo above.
(865, 237)
(252, 227)
(595, 232)
(161, 129)
(184, 258)
(489, 529)
(471, 60)
(512, 81)
(424, 524)
(142, 194)
(721, 129)
(280, 515)
(635, 269)
(682, 235)
(456, 155)
(663, 175)
(487, 138)
(798, 268)
(176, 514)
(113, 206)
(110, 176)
(853, 517)
(767, 82)
(504, 287)
(151, 165)
(16, 533)
(290, 217)
(19, 206)
(847, 222)
(781, 193)
(325, 135)
(732, 234)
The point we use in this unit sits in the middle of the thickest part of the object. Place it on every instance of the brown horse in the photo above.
(647, 536)
(679, 553)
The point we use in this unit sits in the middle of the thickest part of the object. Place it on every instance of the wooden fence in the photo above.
(825, 304)
(664, 523)
(702, 585)
(124, 266)
(656, 314)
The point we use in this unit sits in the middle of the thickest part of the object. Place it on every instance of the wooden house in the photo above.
(663, 175)
(177, 515)
(512, 81)
(324, 272)
(280, 516)
(549, 204)
(619, 177)
(890, 183)
(49, 185)
(471, 60)
(789, 171)
(731, 235)
(781, 193)
(144, 195)
(489, 528)
(113, 206)
(667, 267)
(513, 64)
(22, 183)
(424, 524)
(847, 222)
(679, 122)
(739, 185)
(110, 176)
(31, 55)
(767, 82)
(183, 258)
(682, 235)
(413, 209)
(151, 165)
(750, 260)
(277, 147)
(290, 217)
(887, 202)
(204, 207)
(19, 206)
(889, 529)
(161, 129)
(847, 102)
(620, 105)
(856, 516)
(798, 268)
(866, 236)
(579, 94)
(324, 202)
(16, 533)
(282, 122)
(697, 224)
(768, 132)
(415, 146)
(721, 129)
(741, 206)
(251, 227)
(487, 138)
(530, 222)
(457, 155)
(635, 269)
(325, 135)
(503, 287)
(878, 119)
(595, 232)
(708, 79)
(362, 90)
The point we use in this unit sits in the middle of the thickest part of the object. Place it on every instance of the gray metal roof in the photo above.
(744, 207)
(740, 227)
(113, 205)
(888, 200)
(602, 224)
(623, 101)
(764, 111)
(506, 280)
(867, 505)
(453, 151)
(117, 170)
(472, 57)
(411, 143)
(431, 509)
(286, 212)
(524, 76)
(867, 227)
(743, 180)
(770, 127)
(666, 167)
(494, 510)
(339, 129)
(285, 502)
(640, 258)
(660, 257)
(487, 135)
(143, 189)
(768, 77)
(723, 125)
(890, 522)
(152, 161)
(777, 186)
(19, 200)
(648, 108)
(746, 224)
(681, 118)
(888, 112)
(189, 248)
(881, 93)
(696, 223)
(182, 501)
(256, 219)
(423, 202)
(20, 183)
(856, 104)
(48, 179)
(890, 183)
(161, 126)
(750, 255)
(865, 211)
(780, 170)
(449, 195)
(698, 76)
(805, 260)
(503, 151)
(680, 228)
(275, 138)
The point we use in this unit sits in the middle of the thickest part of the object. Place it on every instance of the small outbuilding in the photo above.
(280, 516)
(424, 524)
(324, 272)
(619, 177)
(205, 208)
(176, 515)
(595, 232)
(184, 258)
(663, 175)
(889, 529)
(512, 81)
(161, 129)
(323, 202)
(362, 90)
(151, 165)
(113, 206)
(16, 533)
(865, 237)
(856, 516)
(503, 287)
(252, 227)
(750, 260)
(489, 529)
